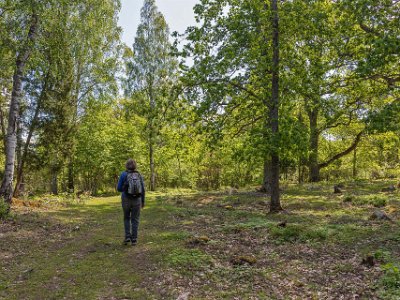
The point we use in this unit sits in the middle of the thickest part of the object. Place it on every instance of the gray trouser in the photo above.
(131, 208)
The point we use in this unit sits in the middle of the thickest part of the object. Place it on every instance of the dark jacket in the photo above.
(121, 184)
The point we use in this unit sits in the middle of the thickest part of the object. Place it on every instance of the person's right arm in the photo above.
(121, 181)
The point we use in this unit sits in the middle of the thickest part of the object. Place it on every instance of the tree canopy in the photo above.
(255, 93)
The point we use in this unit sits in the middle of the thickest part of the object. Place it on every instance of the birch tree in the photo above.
(23, 55)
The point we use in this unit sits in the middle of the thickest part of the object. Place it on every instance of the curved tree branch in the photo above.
(343, 153)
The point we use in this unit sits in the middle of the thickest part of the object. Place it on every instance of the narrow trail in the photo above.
(76, 253)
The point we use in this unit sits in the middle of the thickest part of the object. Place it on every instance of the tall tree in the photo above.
(68, 72)
(150, 75)
(273, 108)
(23, 55)
(324, 53)
(236, 73)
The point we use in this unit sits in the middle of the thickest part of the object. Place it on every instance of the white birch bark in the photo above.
(6, 190)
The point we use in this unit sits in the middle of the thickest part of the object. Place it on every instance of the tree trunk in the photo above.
(355, 163)
(19, 154)
(19, 184)
(71, 182)
(266, 187)
(2, 121)
(32, 128)
(152, 169)
(301, 171)
(273, 111)
(54, 182)
(71, 165)
(6, 189)
(314, 145)
(179, 183)
(151, 138)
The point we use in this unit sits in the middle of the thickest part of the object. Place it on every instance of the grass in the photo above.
(188, 259)
(298, 233)
(191, 242)
(372, 200)
(88, 263)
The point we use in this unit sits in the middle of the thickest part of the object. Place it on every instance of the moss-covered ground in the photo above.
(208, 246)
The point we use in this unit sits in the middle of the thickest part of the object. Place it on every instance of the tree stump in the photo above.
(336, 189)
(368, 261)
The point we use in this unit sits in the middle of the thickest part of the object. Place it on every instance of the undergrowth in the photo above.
(213, 246)
(298, 233)
(3, 209)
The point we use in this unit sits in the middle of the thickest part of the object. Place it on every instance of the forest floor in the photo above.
(208, 246)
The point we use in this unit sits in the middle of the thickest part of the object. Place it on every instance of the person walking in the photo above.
(132, 189)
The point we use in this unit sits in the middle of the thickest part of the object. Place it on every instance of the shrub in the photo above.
(376, 201)
(293, 233)
(382, 255)
(379, 202)
(391, 277)
(348, 198)
(286, 234)
(318, 234)
(390, 282)
(3, 209)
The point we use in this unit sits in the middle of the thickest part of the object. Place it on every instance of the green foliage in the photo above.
(3, 209)
(391, 280)
(382, 255)
(374, 200)
(72, 61)
(296, 233)
(251, 224)
(286, 234)
(379, 27)
(386, 119)
(60, 200)
(174, 236)
(151, 76)
(188, 259)
(206, 124)
(316, 234)
(106, 138)
(348, 198)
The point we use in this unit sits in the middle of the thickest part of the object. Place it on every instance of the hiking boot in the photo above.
(126, 241)
(134, 242)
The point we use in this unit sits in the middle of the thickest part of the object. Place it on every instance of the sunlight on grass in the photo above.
(71, 247)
